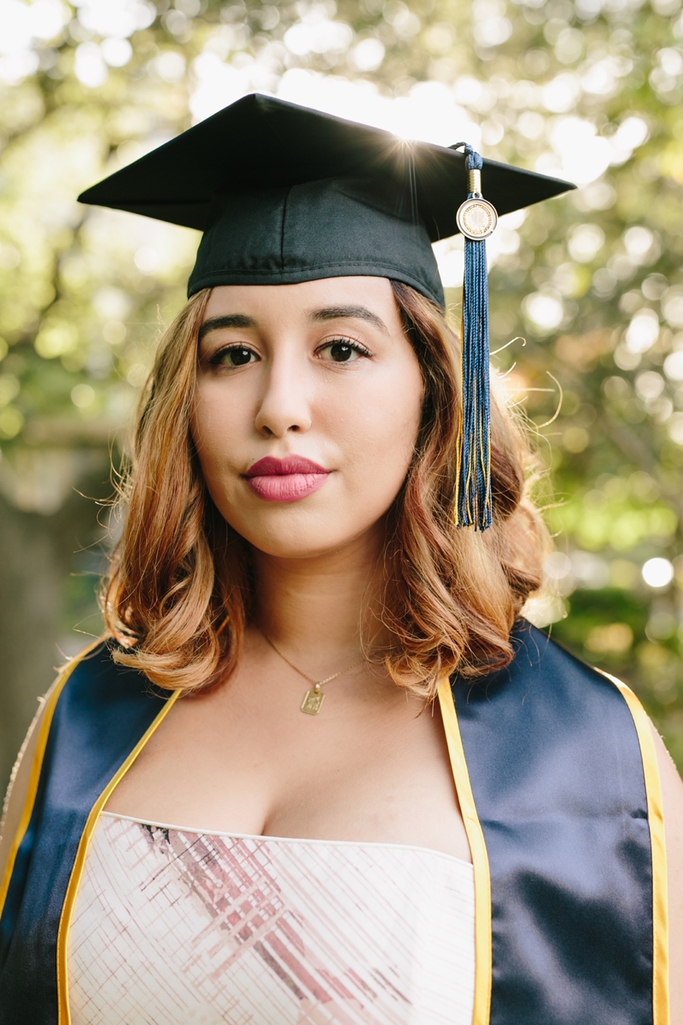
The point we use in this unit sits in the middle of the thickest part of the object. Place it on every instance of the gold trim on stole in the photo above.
(483, 966)
(655, 817)
(36, 766)
(64, 1011)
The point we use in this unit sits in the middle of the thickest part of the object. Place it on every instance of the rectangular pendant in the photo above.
(313, 702)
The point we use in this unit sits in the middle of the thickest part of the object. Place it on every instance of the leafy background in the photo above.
(587, 288)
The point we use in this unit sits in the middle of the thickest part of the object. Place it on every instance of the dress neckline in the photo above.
(465, 865)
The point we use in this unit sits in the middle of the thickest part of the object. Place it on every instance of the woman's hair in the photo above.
(180, 589)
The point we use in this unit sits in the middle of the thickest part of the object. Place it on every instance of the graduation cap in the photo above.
(285, 194)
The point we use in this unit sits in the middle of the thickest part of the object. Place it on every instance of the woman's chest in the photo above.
(373, 774)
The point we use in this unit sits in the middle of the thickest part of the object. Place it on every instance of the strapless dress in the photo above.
(173, 926)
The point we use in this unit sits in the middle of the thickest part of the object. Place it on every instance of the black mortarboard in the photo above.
(286, 194)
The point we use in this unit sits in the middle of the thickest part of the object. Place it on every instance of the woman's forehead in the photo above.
(364, 297)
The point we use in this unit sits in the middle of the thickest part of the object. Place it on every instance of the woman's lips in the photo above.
(285, 480)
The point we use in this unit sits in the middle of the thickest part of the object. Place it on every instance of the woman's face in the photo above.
(307, 410)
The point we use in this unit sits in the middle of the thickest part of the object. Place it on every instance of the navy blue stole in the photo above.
(560, 797)
(553, 752)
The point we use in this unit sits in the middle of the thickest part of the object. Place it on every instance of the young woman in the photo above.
(319, 770)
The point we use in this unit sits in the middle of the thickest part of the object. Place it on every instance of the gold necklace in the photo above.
(313, 698)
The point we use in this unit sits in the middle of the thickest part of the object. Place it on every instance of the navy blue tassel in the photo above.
(473, 494)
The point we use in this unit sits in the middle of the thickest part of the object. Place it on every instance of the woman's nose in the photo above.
(285, 405)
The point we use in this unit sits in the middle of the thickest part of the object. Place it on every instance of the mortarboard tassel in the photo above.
(476, 220)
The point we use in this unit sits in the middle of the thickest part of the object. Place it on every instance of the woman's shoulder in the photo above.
(23, 778)
(17, 791)
(546, 681)
(559, 731)
(99, 707)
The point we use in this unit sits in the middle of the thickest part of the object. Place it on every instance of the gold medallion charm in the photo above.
(476, 218)
(313, 700)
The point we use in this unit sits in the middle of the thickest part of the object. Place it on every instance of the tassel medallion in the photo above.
(476, 218)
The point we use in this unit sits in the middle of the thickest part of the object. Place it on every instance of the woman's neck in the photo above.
(322, 604)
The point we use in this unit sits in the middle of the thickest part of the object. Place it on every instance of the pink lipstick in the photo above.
(285, 480)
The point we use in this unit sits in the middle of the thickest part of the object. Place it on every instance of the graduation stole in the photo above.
(556, 775)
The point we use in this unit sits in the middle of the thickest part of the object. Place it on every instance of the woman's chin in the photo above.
(294, 548)
(309, 540)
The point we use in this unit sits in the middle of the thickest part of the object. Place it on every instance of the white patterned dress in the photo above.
(175, 927)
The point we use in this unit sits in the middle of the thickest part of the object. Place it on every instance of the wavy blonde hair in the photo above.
(180, 588)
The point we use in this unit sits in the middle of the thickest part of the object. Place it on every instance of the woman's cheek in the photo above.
(217, 426)
(383, 451)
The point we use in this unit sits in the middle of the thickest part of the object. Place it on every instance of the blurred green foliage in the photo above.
(589, 89)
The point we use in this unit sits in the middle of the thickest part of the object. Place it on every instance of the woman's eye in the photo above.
(235, 356)
(341, 351)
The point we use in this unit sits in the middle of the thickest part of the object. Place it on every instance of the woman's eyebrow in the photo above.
(229, 320)
(340, 312)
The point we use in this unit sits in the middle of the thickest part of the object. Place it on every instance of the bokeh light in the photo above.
(658, 572)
